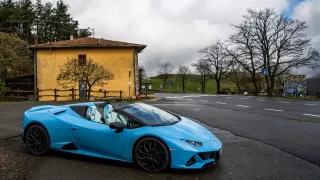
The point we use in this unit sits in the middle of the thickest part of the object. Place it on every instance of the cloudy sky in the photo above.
(174, 30)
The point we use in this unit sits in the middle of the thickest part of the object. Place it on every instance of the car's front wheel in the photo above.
(152, 155)
(37, 140)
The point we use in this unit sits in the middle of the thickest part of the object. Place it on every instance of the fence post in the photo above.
(318, 93)
(55, 94)
(104, 93)
(72, 94)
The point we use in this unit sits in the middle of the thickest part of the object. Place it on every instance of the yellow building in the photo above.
(120, 58)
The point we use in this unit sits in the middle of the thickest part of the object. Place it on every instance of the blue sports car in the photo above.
(152, 138)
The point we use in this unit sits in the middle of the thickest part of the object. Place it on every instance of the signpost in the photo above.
(82, 90)
(170, 84)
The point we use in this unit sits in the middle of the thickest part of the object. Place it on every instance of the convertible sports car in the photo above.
(152, 138)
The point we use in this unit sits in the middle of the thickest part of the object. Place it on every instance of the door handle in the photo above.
(75, 128)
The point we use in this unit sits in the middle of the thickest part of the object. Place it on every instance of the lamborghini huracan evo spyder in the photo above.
(152, 138)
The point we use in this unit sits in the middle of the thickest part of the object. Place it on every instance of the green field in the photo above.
(191, 85)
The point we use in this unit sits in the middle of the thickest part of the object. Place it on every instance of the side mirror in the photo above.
(117, 125)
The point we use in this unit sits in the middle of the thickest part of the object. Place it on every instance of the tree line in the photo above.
(49, 22)
(264, 47)
(23, 22)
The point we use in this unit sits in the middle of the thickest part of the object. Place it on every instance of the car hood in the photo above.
(186, 129)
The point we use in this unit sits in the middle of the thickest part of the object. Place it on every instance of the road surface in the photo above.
(290, 125)
(255, 144)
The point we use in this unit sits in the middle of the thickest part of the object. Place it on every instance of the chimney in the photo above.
(36, 39)
(71, 36)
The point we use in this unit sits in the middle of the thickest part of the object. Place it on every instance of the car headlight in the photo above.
(194, 143)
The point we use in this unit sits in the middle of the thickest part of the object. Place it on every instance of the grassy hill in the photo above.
(191, 85)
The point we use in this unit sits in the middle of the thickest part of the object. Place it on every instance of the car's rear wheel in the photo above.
(152, 155)
(37, 140)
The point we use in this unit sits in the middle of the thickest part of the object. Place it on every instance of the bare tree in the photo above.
(142, 75)
(238, 75)
(279, 43)
(202, 68)
(218, 60)
(184, 72)
(244, 51)
(164, 70)
(91, 72)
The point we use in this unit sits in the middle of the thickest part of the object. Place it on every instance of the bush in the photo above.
(3, 89)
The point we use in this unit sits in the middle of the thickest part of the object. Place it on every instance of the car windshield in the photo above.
(150, 115)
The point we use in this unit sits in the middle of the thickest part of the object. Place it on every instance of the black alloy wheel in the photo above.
(37, 140)
(152, 155)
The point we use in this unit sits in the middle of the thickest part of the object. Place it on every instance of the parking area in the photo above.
(242, 158)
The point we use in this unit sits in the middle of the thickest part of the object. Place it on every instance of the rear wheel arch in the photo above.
(34, 123)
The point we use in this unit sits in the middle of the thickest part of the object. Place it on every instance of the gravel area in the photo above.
(15, 161)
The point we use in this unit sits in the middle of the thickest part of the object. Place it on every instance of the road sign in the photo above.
(264, 71)
(83, 86)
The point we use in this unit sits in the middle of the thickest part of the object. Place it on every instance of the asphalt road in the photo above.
(290, 125)
(243, 158)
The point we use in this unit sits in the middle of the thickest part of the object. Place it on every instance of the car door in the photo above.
(99, 138)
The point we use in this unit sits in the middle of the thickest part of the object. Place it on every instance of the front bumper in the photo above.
(200, 160)
(186, 156)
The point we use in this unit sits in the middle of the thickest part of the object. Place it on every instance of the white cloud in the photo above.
(309, 11)
(174, 30)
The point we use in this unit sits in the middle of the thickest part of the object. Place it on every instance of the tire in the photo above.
(151, 155)
(37, 140)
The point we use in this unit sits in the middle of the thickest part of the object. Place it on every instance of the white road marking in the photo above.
(221, 103)
(311, 105)
(242, 106)
(189, 99)
(312, 123)
(285, 102)
(203, 101)
(261, 100)
(243, 98)
(278, 110)
(313, 115)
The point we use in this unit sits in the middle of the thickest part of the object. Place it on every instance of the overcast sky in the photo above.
(174, 30)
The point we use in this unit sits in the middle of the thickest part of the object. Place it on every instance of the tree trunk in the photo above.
(254, 82)
(268, 85)
(89, 92)
(238, 86)
(183, 82)
(271, 85)
(218, 86)
(164, 83)
(203, 84)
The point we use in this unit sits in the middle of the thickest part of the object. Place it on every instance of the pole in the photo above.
(129, 84)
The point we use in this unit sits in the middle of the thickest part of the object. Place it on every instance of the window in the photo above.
(116, 117)
(150, 115)
(82, 59)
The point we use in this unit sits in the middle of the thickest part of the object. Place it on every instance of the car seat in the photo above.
(93, 114)
(109, 115)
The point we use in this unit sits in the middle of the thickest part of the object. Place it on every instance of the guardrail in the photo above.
(57, 93)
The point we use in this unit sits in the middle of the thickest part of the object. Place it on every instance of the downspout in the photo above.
(35, 65)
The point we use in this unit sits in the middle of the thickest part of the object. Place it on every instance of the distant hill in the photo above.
(191, 85)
